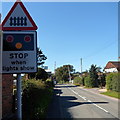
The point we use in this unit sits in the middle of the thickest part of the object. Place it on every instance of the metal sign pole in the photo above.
(19, 97)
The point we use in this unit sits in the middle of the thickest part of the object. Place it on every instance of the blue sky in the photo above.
(68, 31)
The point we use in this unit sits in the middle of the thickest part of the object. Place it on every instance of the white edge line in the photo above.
(89, 101)
(98, 106)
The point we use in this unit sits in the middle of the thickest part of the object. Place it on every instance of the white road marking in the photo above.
(89, 101)
(77, 94)
(98, 106)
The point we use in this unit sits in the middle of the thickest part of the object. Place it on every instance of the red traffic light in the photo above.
(9, 38)
(27, 38)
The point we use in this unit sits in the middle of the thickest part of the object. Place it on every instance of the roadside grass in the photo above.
(76, 84)
(88, 87)
(112, 94)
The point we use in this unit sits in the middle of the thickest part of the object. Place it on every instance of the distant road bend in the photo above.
(70, 101)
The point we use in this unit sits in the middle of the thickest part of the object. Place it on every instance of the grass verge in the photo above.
(112, 94)
(76, 84)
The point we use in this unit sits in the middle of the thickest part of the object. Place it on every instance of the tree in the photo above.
(40, 61)
(62, 73)
(101, 79)
(93, 72)
(89, 82)
(78, 81)
(41, 74)
(40, 57)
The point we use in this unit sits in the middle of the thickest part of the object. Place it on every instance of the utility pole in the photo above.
(54, 67)
(0, 70)
(54, 78)
(69, 74)
(81, 64)
(19, 97)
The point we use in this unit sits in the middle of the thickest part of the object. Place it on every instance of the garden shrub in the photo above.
(112, 82)
(78, 81)
(36, 97)
(109, 81)
(89, 82)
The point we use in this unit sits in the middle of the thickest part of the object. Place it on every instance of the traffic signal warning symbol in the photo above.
(18, 42)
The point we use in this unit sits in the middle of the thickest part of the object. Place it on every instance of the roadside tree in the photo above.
(40, 61)
(93, 72)
(62, 73)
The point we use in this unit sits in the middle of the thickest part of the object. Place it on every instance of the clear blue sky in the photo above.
(70, 31)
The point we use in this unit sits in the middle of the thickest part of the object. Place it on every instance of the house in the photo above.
(112, 66)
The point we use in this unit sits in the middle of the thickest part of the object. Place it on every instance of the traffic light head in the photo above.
(18, 42)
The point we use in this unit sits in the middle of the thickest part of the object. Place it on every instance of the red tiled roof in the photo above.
(113, 64)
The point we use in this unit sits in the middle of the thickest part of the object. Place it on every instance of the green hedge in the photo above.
(112, 82)
(89, 82)
(78, 81)
(36, 98)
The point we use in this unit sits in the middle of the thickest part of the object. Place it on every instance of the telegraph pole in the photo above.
(54, 78)
(54, 67)
(0, 70)
(69, 74)
(19, 97)
(81, 64)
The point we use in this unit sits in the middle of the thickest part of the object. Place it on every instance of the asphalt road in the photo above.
(72, 102)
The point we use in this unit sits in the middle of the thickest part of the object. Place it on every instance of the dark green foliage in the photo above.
(32, 75)
(62, 73)
(112, 82)
(109, 81)
(102, 80)
(40, 57)
(36, 97)
(40, 61)
(115, 82)
(88, 82)
(41, 74)
(83, 81)
(93, 72)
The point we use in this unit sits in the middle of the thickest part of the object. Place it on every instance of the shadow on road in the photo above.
(61, 86)
(94, 102)
(61, 104)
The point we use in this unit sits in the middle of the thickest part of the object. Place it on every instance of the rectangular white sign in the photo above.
(19, 52)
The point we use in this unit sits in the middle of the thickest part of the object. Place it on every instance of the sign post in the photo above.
(19, 46)
(19, 97)
(19, 52)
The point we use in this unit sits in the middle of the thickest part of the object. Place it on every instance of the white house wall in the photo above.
(111, 70)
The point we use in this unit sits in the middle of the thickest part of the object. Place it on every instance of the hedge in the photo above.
(78, 81)
(112, 82)
(36, 98)
(89, 82)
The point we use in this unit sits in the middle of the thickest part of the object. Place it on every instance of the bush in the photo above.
(112, 82)
(109, 81)
(36, 97)
(89, 82)
(49, 83)
(102, 80)
(78, 81)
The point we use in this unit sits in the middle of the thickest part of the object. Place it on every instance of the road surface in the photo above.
(72, 102)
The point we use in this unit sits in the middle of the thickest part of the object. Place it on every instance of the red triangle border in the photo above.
(27, 14)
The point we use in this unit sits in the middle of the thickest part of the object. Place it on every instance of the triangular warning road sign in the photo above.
(18, 18)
